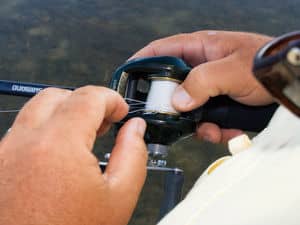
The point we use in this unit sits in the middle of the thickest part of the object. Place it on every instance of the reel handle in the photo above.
(228, 113)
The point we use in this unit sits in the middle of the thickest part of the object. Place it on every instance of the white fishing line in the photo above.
(137, 104)
(137, 110)
(160, 95)
(134, 100)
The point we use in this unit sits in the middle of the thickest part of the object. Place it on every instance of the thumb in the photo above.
(126, 169)
(211, 79)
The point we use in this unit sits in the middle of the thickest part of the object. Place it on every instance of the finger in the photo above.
(80, 116)
(126, 169)
(211, 79)
(194, 48)
(209, 132)
(212, 133)
(228, 134)
(38, 110)
(105, 127)
(189, 47)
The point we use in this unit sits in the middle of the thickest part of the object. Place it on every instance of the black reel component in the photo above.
(133, 80)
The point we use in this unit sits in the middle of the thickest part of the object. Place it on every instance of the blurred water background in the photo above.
(78, 42)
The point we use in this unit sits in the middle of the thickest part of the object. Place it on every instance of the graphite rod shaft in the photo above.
(24, 89)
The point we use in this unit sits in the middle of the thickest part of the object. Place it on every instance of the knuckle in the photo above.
(24, 117)
(91, 100)
(158, 42)
(49, 90)
(200, 32)
(53, 91)
(91, 91)
(182, 35)
(107, 91)
(87, 101)
(87, 95)
(154, 44)
(86, 90)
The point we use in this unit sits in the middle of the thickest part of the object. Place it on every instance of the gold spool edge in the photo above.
(166, 78)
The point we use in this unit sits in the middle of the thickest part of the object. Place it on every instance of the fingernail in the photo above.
(181, 97)
(141, 126)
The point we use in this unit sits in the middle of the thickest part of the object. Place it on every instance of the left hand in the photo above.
(221, 62)
(48, 173)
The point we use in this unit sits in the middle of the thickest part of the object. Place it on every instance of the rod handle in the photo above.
(228, 113)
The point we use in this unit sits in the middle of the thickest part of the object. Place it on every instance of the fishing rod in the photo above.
(147, 85)
(24, 89)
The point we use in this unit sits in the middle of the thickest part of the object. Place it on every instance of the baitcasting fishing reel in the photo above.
(147, 85)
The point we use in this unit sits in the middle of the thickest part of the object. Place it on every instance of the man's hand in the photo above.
(48, 173)
(222, 64)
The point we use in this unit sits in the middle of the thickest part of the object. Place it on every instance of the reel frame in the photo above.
(163, 129)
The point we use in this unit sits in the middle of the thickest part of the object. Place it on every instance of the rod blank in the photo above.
(24, 89)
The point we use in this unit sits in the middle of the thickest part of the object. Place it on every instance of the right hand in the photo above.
(48, 172)
(221, 62)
